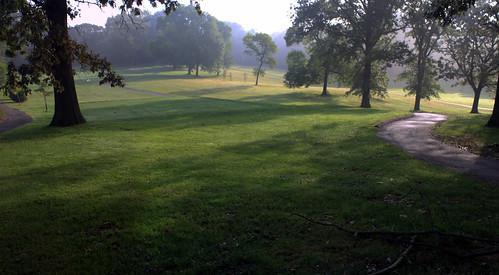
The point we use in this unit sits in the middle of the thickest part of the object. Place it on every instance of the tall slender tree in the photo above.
(262, 47)
(425, 33)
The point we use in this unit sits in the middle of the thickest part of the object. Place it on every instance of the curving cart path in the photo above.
(12, 118)
(414, 136)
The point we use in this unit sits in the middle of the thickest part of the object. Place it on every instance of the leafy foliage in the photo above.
(378, 81)
(329, 50)
(366, 28)
(471, 51)
(425, 34)
(262, 47)
(428, 87)
(27, 33)
(297, 75)
(38, 31)
(447, 10)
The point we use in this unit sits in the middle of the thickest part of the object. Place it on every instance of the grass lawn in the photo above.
(181, 175)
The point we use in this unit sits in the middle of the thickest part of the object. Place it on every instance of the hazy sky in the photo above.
(261, 15)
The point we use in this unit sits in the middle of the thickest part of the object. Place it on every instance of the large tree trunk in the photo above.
(67, 110)
(494, 119)
(326, 80)
(366, 85)
(197, 70)
(420, 79)
(476, 101)
(417, 104)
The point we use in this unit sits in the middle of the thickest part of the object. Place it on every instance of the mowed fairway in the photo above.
(182, 175)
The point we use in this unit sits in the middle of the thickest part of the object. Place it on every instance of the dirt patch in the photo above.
(469, 144)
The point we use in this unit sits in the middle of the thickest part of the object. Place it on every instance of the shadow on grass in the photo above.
(190, 93)
(147, 75)
(224, 211)
(181, 114)
(154, 77)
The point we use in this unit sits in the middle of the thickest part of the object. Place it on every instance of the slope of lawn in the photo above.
(181, 175)
(467, 131)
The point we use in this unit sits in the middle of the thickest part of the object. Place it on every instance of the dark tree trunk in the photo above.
(67, 110)
(494, 119)
(197, 70)
(417, 104)
(366, 85)
(326, 80)
(420, 79)
(476, 101)
(258, 74)
(189, 70)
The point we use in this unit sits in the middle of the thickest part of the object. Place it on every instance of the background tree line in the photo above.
(182, 39)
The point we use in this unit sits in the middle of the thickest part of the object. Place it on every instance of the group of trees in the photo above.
(183, 39)
(358, 40)
(355, 39)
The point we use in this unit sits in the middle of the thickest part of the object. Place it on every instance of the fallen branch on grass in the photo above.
(486, 247)
(371, 234)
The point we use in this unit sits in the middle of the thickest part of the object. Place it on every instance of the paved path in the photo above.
(414, 136)
(12, 118)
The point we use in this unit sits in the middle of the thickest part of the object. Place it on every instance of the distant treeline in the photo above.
(183, 40)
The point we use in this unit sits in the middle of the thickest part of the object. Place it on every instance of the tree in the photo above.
(471, 54)
(225, 61)
(491, 21)
(297, 75)
(426, 33)
(328, 50)
(421, 83)
(199, 42)
(41, 26)
(261, 46)
(447, 10)
(370, 27)
(123, 37)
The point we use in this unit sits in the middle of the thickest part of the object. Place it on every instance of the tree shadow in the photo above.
(227, 210)
(182, 114)
(191, 93)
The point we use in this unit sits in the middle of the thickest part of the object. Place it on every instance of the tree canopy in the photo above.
(38, 30)
(262, 47)
(425, 33)
(471, 53)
